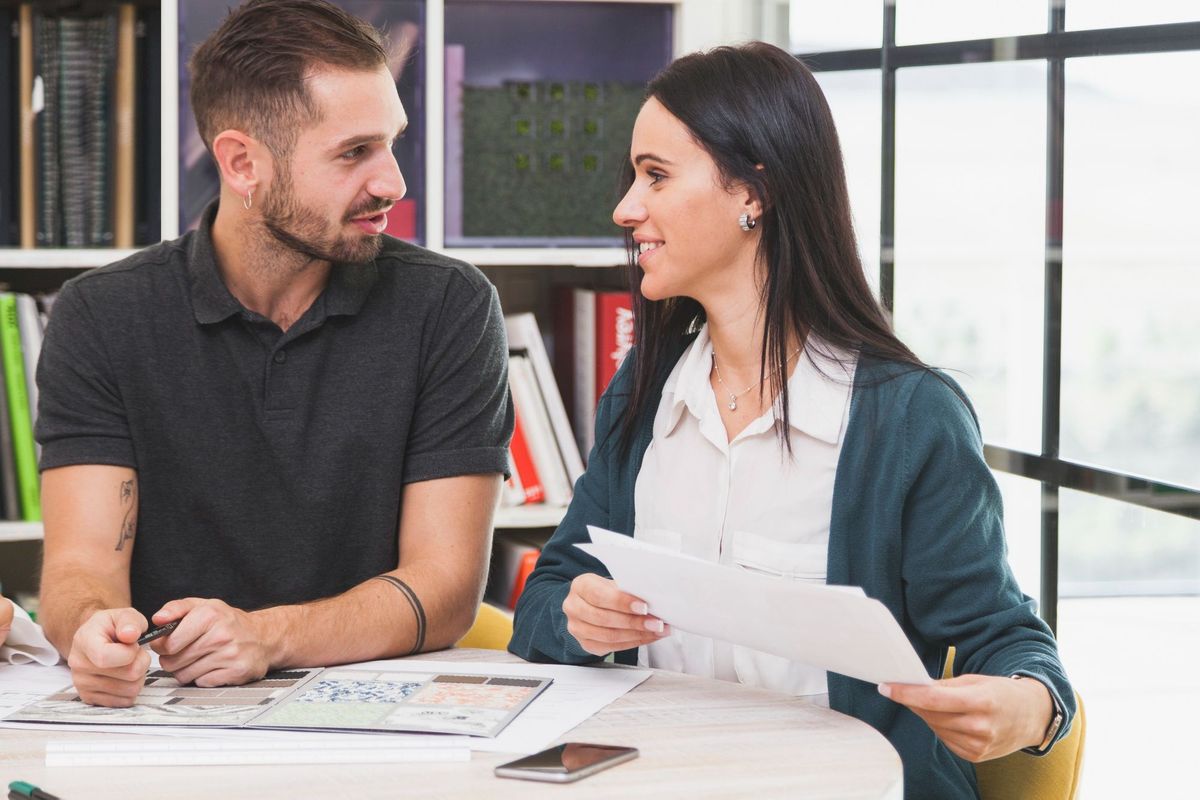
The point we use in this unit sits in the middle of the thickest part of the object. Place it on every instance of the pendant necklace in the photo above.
(732, 404)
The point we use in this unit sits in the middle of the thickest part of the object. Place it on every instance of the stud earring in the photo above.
(249, 200)
(747, 223)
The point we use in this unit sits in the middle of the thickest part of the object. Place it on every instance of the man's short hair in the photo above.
(249, 75)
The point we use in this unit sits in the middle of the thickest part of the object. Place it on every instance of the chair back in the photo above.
(1021, 776)
(492, 630)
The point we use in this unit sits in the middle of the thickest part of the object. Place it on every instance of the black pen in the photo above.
(155, 633)
(20, 790)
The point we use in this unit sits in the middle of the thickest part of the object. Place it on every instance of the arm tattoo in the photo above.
(415, 602)
(129, 523)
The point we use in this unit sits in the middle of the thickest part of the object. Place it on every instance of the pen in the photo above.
(155, 633)
(20, 790)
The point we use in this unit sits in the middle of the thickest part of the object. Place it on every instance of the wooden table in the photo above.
(697, 737)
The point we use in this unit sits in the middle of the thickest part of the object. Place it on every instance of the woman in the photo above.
(769, 419)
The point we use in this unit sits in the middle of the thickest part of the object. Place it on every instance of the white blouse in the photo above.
(744, 503)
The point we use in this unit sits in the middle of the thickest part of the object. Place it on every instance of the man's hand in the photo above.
(979, 717)
(6, 618)
(214, 645)
(603, 619)
(107, 666)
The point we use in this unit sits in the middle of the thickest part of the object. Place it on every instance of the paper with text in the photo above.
(828, 627)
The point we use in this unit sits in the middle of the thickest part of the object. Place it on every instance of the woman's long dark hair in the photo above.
(758, 105)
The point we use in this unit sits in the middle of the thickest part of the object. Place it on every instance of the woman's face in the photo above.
(684, 221)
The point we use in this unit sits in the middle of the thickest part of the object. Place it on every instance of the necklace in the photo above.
(732, 405)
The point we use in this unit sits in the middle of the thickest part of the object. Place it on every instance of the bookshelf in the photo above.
(525, 269)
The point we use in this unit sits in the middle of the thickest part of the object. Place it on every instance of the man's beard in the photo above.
(304, 231)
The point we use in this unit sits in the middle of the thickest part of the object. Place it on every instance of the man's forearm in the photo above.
(409, 609)
(68, 598)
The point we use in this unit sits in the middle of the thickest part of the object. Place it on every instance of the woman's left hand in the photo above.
(979, 717)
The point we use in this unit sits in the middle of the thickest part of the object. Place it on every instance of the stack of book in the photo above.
(21, 326)
(545, 460)
(593, 332)
(76, 93)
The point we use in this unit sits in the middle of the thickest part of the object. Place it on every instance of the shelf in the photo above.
(20, 531)
(539, 256)
(60, 257)
(533, 516)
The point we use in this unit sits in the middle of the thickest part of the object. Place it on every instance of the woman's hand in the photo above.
(604, 619)
(979, 717)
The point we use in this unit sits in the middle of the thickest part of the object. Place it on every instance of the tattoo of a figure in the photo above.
(129, 522)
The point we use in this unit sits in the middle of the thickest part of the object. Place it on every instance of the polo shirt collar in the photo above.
(349, 284)
(818, 390)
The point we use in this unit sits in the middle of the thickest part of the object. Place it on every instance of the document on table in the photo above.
(573, 695)
(834, 628)
(334, 699)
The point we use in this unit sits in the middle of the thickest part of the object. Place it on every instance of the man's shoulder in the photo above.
(124, 279)
(407, 263)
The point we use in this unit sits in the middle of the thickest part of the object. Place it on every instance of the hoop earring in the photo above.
(747, 224)
(249, 201)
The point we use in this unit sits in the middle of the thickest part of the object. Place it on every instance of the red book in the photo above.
(524, 569)
(614, 335)
(523, 461)
(402, 220)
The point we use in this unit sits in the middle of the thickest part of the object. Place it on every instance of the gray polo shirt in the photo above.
(270, 464)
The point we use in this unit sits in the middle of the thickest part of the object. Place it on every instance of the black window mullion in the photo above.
(887, 189)
(1052, 332)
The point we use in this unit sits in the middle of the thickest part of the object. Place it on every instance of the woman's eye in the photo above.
(655, 177)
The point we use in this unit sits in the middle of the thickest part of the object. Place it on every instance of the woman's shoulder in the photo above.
(920, 393)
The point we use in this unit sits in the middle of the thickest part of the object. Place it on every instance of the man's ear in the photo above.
(242, 161)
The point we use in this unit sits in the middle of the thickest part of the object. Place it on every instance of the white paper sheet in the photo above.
(576, 694)
(26, 642)
(826, 626)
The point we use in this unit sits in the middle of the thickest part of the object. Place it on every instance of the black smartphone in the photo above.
(566, 762)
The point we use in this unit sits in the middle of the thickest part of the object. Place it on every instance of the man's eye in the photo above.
(351, 155)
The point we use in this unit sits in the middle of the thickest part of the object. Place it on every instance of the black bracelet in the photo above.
(418, 610)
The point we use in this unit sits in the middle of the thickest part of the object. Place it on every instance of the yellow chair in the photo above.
(1020, 776)
(492, 629)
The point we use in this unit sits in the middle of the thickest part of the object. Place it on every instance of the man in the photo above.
(283, 430)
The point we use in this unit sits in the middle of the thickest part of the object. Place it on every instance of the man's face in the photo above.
(329, 199)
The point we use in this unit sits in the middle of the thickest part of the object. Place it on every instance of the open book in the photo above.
(333, 699)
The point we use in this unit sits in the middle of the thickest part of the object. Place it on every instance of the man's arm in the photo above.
(445, 541)
(91, 521)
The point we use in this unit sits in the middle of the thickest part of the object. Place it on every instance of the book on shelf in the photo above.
(543, 446)
(513, 559)
(10, 503)
(80, 166)
(593, 334)
(10, 128)
(525, 335)
(525, 474)
(21, 422)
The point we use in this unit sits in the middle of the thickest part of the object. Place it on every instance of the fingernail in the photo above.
(655, 625)
(641, 608)
(885, 690)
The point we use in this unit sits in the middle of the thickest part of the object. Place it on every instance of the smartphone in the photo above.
(566, 762)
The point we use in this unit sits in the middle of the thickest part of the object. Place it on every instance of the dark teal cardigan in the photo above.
(917, 523)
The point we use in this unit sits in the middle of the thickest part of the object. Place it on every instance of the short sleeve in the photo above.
(463, 418)
(81, 418)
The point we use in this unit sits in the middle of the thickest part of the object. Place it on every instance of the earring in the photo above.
(249, 201)
(747, 223)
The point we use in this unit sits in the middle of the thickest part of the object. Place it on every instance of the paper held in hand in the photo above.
(836, 628)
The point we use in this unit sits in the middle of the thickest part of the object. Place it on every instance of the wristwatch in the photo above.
(1056, 721)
